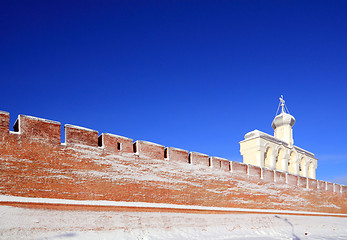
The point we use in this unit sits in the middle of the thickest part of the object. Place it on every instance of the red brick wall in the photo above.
(115, 143)
(82, 136)
(280, 177)
(292, 179)
(176, 154)
(38, 129)
(196, 158)
(337, 188)
(215, 162)
(302, 182)
(268, 175)
(4, 122)
(330, 187)
(254, 172)
(220, 163)
(321, 185)
(312, 183)
(34, 164)
(225, 165)
(149, 149)
(238, 167)
(344, 191)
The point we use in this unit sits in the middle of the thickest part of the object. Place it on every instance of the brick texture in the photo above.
(4, 122)
(220, 163)
(280, 177)
(38, 129)
(292, 179)
(115, 143)
(337, 188)
(238, 167)
(34, 164)
(312, 183)
(225, 165)
(196, 158)
(330, 187)
(149, 149)
(177, 155)
(344, 191)
(82, 136)
(268, 175)
(321, 185)
(254, 172)
(302, 182)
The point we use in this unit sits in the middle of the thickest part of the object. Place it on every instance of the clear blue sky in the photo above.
(197, 75)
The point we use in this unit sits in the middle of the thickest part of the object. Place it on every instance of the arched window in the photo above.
(312, 170)
(303, 167)
(292, 163)
(267, 157)
(279, 159)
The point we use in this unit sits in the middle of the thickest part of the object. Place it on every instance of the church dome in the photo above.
(283, 119)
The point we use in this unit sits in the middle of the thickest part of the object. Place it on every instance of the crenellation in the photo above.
(33, 133)
(80, 135)
(176, 154)
(337, 188)
(254, 172)
(220, 163)
(312, 183)
(238, 167)
(302, 182)
(4, 122)
(225, 164)
(149, 149)
(215, 162)
(115, 143)
(268, 175)
(330, 187)
(280, 177)
(292, 179)
(38, 129)
(196, 158)
(321, 185)
(344, 190)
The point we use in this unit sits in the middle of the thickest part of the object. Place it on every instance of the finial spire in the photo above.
(282, 103)
(284, 108)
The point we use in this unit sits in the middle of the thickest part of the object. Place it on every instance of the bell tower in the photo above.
(283, 124)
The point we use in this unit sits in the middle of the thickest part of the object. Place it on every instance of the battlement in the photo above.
(176, 154)
(4, 122)
(115, 143)
(33, 136)
(38, 129)
(80, 135)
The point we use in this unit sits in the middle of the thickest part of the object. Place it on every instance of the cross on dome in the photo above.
(284, 108)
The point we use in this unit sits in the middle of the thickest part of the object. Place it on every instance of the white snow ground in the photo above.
(25, 223)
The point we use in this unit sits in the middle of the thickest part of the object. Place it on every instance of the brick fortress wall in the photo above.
(89, 166)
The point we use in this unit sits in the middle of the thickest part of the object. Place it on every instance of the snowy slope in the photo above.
(23, 223)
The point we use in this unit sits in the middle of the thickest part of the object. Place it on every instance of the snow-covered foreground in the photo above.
(25, 223)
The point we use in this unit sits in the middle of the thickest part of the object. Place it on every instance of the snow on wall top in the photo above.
(117, 136)
(149, 143)
(39, 119)
(79, 128)
(3, 112)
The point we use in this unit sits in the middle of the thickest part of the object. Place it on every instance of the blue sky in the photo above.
(197, 75)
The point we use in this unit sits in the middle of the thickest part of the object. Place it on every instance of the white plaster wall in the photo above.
(277, 155)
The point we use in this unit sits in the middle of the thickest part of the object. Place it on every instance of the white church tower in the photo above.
(283, 124)
(278, 152)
